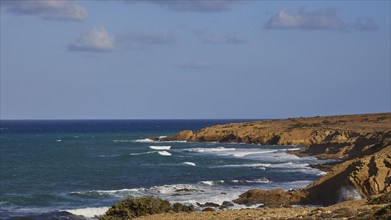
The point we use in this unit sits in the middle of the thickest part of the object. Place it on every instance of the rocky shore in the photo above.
(361, 143)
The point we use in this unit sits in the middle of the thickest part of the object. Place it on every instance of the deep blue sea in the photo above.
(52, 168)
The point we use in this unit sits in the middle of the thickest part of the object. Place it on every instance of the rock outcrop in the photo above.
(270, 198)
(353, 179)
(344, 137)
(362, 143)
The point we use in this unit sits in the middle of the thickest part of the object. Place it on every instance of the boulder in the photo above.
(184, 135)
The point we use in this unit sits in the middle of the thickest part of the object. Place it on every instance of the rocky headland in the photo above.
(361, 143)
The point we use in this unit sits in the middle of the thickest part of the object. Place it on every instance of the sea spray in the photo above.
(347, 193)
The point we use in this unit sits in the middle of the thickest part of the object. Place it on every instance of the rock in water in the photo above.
(184, 135)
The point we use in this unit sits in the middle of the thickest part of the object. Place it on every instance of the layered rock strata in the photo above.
(361, 142)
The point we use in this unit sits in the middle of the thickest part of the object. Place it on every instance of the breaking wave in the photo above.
(189, 164)
(160, 147)
(164, 153)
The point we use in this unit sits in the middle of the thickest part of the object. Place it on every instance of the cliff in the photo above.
(345, 137)
(361, 142)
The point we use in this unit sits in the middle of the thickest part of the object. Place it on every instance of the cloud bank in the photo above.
(93, 40)
(322, 19)
(47, 9)
(195, 5)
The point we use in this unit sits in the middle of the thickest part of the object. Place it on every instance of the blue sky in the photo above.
(193, 59)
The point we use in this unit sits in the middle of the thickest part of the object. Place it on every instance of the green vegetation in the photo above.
(135, 207)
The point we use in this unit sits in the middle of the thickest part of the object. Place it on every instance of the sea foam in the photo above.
(90, 212)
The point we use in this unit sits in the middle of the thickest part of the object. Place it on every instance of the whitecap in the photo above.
(244, 165)
(122, 141)
(116, 192)
(172, 189)
(289, 165)
(148, 140)
(209, 183)
(160, 147)
(262, 180)
(189, 164)
(212, 182)
(164, 153)
(108, 156)
(293, 149)
(142, 153)
(210, 150)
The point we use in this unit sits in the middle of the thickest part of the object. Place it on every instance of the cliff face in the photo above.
(328, 137)
(362, 177)
(363, 142)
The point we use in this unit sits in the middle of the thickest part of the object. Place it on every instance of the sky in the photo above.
(193, 59)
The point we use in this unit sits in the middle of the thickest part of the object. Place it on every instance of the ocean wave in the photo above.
(234, 182)
(293, 149)
(142, 153)
(122, 193)
(89, 212)
(262, 180)
(189, 164)
(122, 141)
(145, 140)
(210, 150)
(244, 165)
(109, 156)
(173, 189)
(289, 165)
(164, 153)
(160, 147)
(212, 182)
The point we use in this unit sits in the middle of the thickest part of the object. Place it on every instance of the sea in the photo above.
(76, 169)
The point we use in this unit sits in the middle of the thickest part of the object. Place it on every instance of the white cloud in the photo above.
(195, 5)
(141, 39)
(323, 19)
(365, 24)
(94, 40)
(46, 9)
(195, 64)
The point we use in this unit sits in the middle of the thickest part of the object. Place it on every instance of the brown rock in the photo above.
(347, 137)
(363, 177)
(184, 135)
(273, 198)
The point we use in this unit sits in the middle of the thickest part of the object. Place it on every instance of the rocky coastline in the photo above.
(360, 143)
